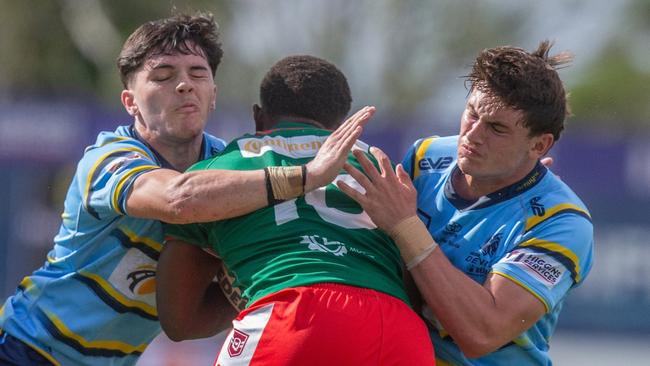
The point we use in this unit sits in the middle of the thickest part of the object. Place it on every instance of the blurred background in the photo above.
(59, 87)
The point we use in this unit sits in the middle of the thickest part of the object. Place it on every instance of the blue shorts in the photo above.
(14, 352)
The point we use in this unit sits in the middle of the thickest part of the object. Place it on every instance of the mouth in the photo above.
(188, 108)
(469, 151)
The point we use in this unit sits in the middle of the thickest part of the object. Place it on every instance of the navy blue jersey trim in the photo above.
(101, 352)
(110, 301)
(529, 181)
(128, 243)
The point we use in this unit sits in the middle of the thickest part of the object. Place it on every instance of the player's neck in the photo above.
(471, 187)
(179, 154)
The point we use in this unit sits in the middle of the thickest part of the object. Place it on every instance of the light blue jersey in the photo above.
(93, 301)
(535, 232)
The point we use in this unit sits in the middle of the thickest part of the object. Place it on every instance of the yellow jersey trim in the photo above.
(108, 345)
(419, 154)
(106, 286)
(101, 159)
(123, 180)
(522, 285)
(557, 249)
(553, 211)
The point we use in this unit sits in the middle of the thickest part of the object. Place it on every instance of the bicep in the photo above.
(517, 306)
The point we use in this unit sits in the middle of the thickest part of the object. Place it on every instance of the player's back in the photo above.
(322, 237)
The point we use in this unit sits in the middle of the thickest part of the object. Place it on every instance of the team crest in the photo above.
(237, 343)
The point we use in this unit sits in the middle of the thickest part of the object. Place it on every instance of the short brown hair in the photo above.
(525, 81)
(170, 35)
(306, 86)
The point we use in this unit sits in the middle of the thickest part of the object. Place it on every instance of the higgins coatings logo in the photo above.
(293, 147)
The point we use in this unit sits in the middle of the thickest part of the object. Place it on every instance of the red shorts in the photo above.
(327, 324)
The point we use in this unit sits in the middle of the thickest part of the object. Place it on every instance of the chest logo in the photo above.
(314, 242)
(538, 208)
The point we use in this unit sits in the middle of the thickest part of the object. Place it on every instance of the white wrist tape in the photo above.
(413, 240)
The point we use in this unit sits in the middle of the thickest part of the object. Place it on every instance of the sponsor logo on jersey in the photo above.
(539, 265)
(134, 277)
(314, 242)
(538, 208)
(237, 343)
(449, 234)
(479, 263)
(233, 293)
(293, 147)
(121, 161)
(438, 164)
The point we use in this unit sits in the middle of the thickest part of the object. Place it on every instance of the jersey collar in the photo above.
(528, 182)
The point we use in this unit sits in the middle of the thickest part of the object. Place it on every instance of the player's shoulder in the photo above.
(214, 144)
(111, 145)
(435, 144)
(552, 200)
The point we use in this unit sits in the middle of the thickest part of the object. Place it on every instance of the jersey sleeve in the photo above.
(414, 154)
(106, 175)
(553, 256)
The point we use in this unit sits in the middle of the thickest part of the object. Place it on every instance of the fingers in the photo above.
(403, 176)
(353, 193)
(367, 166)
(360, 118)
(358, 176)
(547, 161)
(385, 165)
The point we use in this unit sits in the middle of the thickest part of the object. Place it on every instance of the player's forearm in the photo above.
(211, 195)
(467, 310)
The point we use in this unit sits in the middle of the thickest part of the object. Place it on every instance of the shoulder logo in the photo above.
(538, 208)
(334, 247)
(438, 164)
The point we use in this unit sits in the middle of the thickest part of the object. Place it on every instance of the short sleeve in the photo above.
(551, 258)
(106, 174)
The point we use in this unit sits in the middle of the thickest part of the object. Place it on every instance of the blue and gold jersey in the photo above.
(536, 232)
(93, 301)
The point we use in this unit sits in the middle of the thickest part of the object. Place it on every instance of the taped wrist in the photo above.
(284, 182)
(413, 240)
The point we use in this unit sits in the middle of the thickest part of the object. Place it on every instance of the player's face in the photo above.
(173, 95)
(493, 145)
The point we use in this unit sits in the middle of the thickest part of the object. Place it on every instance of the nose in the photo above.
(474, 132)
(184, 86)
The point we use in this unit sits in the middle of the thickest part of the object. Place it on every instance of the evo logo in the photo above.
(439, 164)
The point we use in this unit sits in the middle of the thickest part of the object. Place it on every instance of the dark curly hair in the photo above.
(525, 81)
(306, 86)
(170, 35)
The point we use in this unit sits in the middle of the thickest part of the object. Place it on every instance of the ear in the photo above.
(258, 117)
(541, 145)
(128, 101)
(213, 104)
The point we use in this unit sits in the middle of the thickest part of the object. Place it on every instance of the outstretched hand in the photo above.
(334, 152)
(389, 196)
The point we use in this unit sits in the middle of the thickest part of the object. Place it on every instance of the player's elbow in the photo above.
(176, 327)
(176, 333)
(478, 344)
